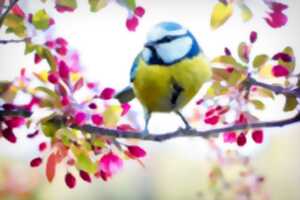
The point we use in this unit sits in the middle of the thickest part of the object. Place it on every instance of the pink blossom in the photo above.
(63, 70)
(97, 119)
(18, 11)
(62, 9)
(80, 118)
(257, 136)
(126, 108)
(15, 122)
(110, 163)
(276, 18)
(280, 71)
(229, 137)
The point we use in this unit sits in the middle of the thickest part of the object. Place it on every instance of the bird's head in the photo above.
(168, 43)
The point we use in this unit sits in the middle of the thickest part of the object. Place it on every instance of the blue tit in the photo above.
(168, 72)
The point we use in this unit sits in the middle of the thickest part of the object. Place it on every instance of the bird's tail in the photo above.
(125, 95)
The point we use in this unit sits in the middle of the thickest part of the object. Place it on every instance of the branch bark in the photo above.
(13, 41)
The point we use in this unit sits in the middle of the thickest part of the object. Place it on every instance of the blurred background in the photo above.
(176, 169)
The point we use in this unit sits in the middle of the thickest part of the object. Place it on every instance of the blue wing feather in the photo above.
(134, 67)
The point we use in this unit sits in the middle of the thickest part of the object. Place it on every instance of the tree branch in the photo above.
(164, 136)
(2, 17)
(13, 41)
(180, 132)
(274, 88)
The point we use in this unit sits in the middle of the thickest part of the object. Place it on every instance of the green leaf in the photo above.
(245, 12)
(260, 60)
(131, 4)
(4, 85)
(234, 78)
(71, 4)
(49, 128)
(41, 20)
(220, 14)
(228, 60)
(265, 93)
(49, 92)
(46, 54)
(50, 59)
(98, 142)
(243, 52)
(83, 161)
(96, 5)
(291, 103)
(15, 24)
(29, 47)
(259, 105)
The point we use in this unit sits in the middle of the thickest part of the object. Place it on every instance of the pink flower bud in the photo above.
(85, 176)
(36, 162)
(139, 11)
(258, 136)
(136, 151)
(53, 78)
(241, 140)
(97, 119)
(107, 93)
(63, 70)
(132, 23)
(70, 180)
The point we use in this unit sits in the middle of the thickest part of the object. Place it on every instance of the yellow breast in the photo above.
(156, 86)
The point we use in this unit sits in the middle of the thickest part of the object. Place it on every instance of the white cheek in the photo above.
(146, 54)
(174, 50)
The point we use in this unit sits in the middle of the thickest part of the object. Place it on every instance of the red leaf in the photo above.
(51, 167)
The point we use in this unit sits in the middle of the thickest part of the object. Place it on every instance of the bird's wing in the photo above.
(127, 94)
(134, 67)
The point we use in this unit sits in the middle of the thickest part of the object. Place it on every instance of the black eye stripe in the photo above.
(169, 38)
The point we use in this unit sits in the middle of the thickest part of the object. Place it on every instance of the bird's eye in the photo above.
(168, 38)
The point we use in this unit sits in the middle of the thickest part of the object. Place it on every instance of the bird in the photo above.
(168, 72)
